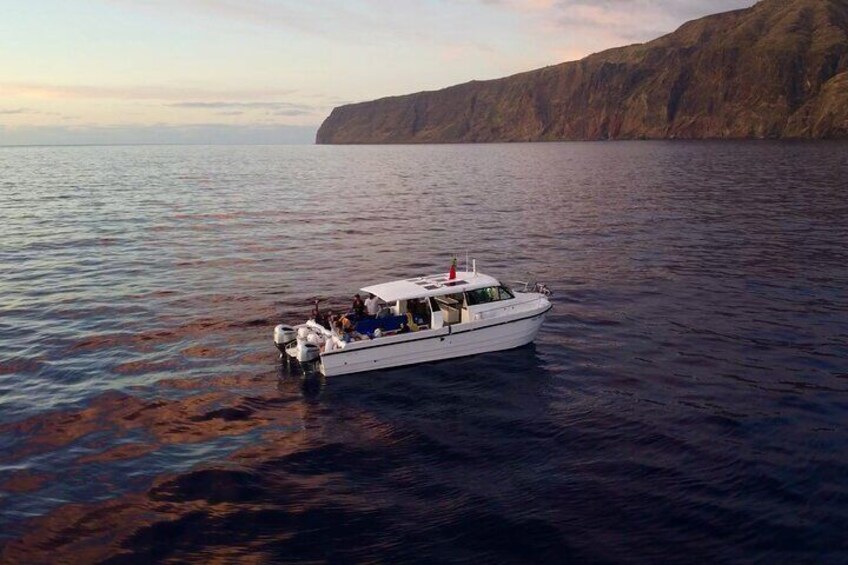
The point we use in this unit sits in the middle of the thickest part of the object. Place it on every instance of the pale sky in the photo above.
(269, 71)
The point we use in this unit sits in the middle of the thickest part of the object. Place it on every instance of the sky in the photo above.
(270, 71)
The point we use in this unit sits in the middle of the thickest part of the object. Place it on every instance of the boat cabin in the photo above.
(437, 301)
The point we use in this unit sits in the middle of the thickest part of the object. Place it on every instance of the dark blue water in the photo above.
(686, 401)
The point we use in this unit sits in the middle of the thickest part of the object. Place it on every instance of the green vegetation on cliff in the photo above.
(776, 70)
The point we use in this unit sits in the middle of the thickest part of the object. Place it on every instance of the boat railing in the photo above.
(534, 286)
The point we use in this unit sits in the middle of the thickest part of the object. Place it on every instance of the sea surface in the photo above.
(686, 400)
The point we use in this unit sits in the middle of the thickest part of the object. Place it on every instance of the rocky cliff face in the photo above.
(776, 70)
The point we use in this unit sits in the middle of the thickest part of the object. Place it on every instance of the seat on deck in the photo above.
(390, 324)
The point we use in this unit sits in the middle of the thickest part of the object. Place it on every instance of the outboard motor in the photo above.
(307, 352)
(283, 337)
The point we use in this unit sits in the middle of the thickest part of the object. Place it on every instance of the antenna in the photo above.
(466, 261)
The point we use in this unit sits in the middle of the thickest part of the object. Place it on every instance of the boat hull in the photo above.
(435, 345)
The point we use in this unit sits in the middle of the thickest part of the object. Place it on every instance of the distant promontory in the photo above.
(776, 70)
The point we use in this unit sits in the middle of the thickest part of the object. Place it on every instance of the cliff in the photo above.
(776, 70)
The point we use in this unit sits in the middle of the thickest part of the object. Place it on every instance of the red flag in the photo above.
(452, 274)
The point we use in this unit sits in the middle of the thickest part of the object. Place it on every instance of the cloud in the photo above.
(608, 23)
(332, 18)
(340, 22)
(627, 10)
(133, 92)
(292, 113)
(244, 105)
(363, 49)
(282, 109)
(638, 17)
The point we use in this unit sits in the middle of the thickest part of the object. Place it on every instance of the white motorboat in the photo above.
(422, 319)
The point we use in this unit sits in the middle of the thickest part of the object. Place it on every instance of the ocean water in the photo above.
(686, 400)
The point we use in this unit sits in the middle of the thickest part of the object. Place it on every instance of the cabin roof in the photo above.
(433, 285)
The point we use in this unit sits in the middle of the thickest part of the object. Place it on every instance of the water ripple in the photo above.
(686, 400)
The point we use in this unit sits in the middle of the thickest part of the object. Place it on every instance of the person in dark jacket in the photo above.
(318, 317)
(358, 307)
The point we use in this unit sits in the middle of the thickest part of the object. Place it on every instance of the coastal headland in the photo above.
(776, 70)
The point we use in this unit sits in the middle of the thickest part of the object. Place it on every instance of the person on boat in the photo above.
(358, 307)
(331, 344)
(413, 311)
(345, 323)
(340, 331)
(349, 334)
(335, 340)
(410, 323)
(372, 306)
(317, 317)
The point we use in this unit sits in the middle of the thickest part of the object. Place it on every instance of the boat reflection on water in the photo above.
(310, 455)
(309, 384)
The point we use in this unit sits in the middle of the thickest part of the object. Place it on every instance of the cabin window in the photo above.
(505, 293)
(482, 296)
(489, 294)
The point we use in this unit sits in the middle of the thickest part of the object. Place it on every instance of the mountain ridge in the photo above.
(778, 69)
